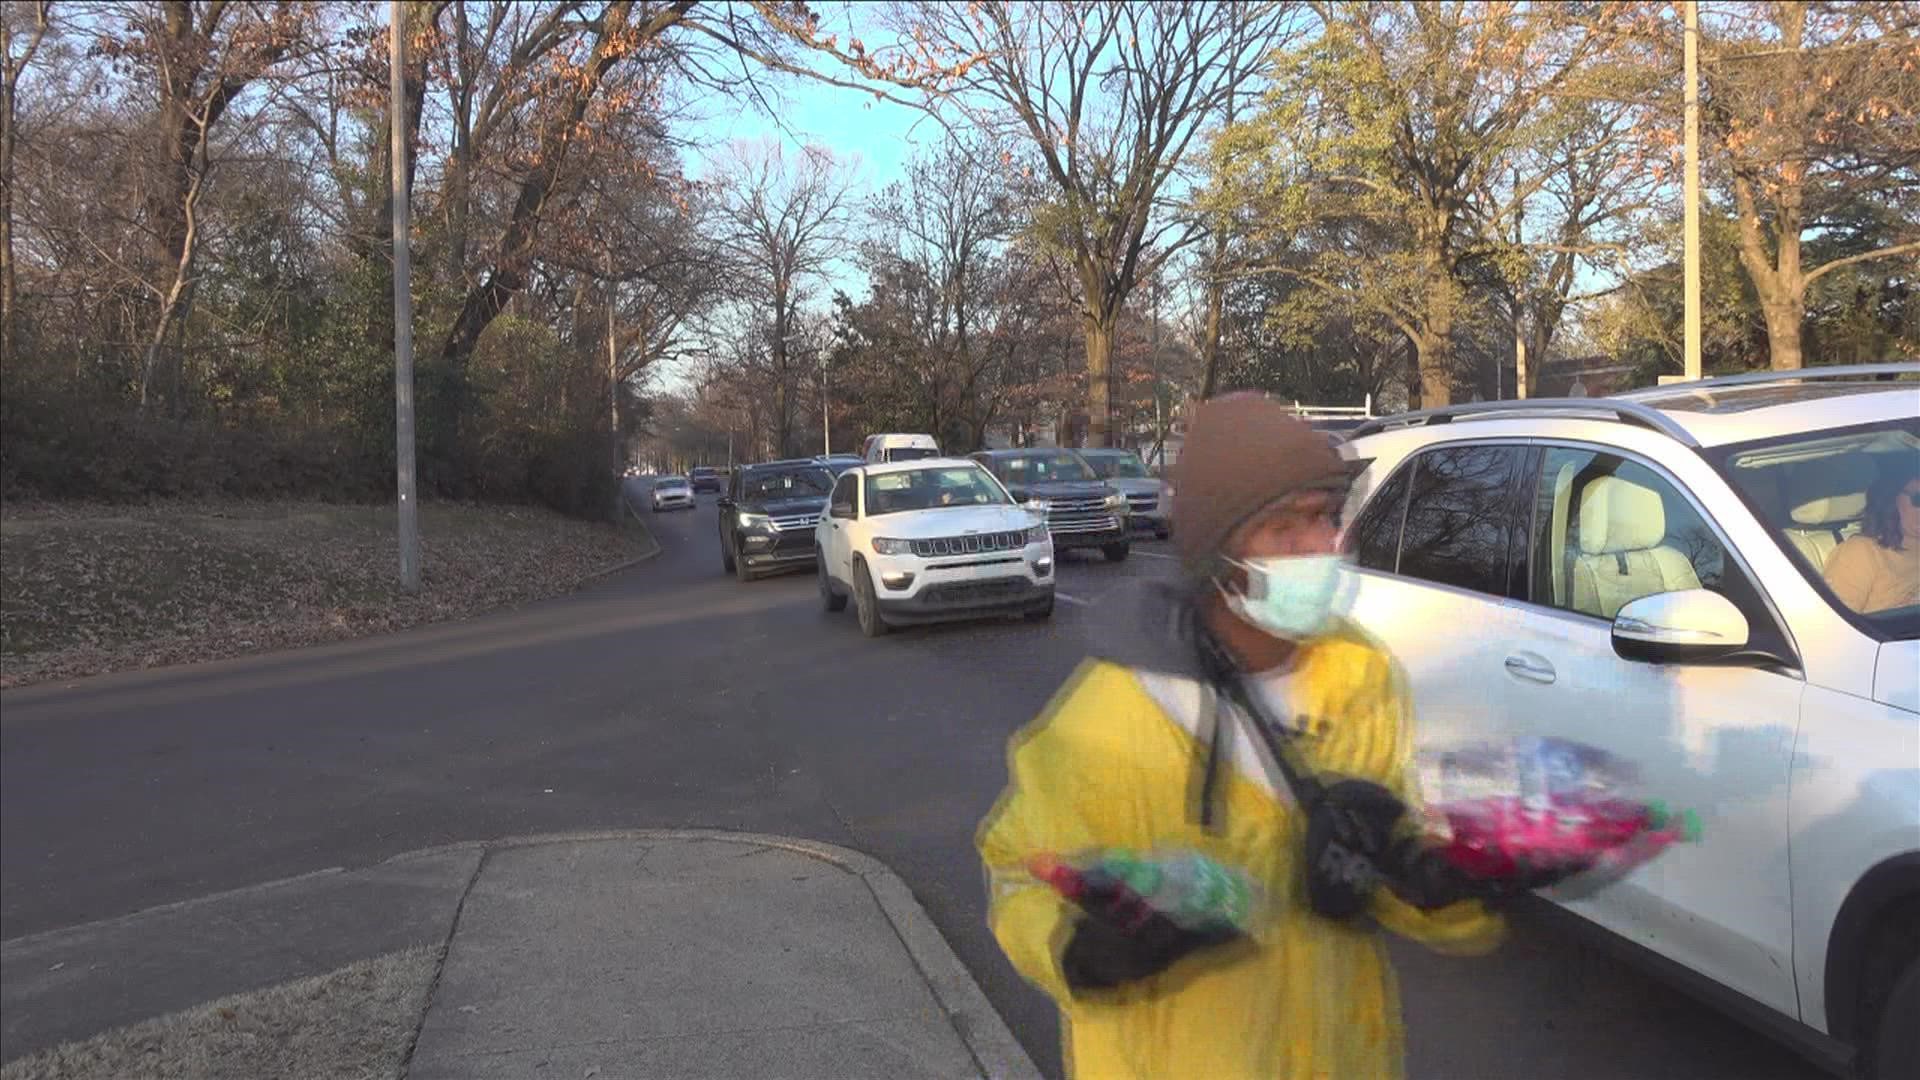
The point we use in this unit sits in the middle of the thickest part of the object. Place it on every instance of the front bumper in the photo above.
(668, 502)
(1083, 533)
(911, 589)
(761, 551)
(1011, 595)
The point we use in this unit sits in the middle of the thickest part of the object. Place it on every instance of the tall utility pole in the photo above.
(826, 417)
(1690, 184)
(409, 505)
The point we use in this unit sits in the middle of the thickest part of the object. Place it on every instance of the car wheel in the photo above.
(1043, 613)
(1116, 552)
(1894, 1052)
(830, 598)
(740, 569)
(865, 605)
(1161, 532)
(726, 554)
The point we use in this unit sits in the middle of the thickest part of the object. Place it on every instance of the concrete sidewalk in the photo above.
(644, 953)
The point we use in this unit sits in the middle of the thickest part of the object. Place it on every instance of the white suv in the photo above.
(930, 541)
(1650, 574)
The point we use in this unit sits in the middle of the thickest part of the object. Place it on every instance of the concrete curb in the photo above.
(993, 1046)
(633, 562)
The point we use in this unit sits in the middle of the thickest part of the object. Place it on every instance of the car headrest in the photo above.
(1618, 515)
(1831, 491)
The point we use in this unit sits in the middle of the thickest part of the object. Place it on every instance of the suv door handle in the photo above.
(1531, 668)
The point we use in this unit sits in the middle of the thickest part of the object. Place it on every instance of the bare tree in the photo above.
(786, 220)
(14, 66)
(1110, 95)
(1810, 113)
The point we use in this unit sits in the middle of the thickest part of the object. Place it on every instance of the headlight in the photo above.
(884, 546)
(1037, 534)
(1116, 501)
(1037, 505)
(751, 521)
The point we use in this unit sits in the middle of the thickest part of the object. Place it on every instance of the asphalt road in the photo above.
(673, 696)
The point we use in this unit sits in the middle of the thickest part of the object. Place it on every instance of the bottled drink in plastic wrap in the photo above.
(1546, 804)
(1128, 887)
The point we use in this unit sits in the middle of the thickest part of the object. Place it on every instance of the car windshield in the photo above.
(836, 466)
(671, 481)
(931, 489)
(786, 484)
(1042, 468)
(1845, 506)
(911, 453)
(1117, 466)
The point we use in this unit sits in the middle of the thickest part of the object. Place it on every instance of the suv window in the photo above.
(1374, 539)
(1608, 531)
(1461, 516)
(842, 499)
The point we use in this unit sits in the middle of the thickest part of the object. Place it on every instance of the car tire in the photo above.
(866, 606)
(741, 571)
(1894, 1050)
(726, 555)
(830, 598)
(1162, 532)
(1116, 552)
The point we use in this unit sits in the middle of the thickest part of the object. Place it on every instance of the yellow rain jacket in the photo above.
(1116, 761)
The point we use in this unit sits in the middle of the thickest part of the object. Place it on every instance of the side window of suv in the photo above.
(1374, 538)
(842, 498)
(1461, 517)
(1608, 531)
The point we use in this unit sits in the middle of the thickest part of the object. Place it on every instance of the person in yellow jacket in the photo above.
(1159, 747)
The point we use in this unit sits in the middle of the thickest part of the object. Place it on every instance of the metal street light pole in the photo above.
(409, 528)
(1690, 183)
(826, 415)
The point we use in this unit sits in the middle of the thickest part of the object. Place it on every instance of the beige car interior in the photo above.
(1624, 554)
(1825, 501)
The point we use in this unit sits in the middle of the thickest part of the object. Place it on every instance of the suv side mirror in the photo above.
(841, 510)
(1688, 626)
(726, 502)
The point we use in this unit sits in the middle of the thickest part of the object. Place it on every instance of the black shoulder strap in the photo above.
(1230, 692)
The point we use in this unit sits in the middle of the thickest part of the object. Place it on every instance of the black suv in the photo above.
(1082, 510)
(705, 478)
(767, 516)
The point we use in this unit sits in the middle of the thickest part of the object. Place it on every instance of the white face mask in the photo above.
(1291, 596)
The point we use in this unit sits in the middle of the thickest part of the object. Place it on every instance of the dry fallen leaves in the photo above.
(92, 589)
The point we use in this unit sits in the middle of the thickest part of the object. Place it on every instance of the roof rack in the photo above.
(1831, 371)
(1631, 412)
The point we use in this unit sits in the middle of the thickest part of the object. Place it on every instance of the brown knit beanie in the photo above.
(1243, 452)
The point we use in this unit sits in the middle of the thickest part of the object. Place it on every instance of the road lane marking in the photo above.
(1154, 555)
(1058, 595)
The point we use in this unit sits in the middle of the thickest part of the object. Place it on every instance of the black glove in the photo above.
(1101, 955)
(1351, 829)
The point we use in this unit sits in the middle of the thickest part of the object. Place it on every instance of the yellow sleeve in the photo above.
(1066, 794)
(1850, 571)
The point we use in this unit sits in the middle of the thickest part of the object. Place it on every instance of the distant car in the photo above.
(899, 447)
(838, 463)
(706, 478)
(930, 541)
(767, 515)
(1146, 494)
(1081, 510)
(672, 493)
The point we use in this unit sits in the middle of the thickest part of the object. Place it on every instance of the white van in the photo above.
(884, 448)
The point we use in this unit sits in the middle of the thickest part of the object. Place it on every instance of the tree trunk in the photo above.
(6, 197)
(1433, 350)
(1100, 328)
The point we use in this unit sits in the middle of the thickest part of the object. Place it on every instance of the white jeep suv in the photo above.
(1720, 582)
(931, 540)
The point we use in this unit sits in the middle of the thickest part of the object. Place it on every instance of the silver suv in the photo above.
(1718, 581)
